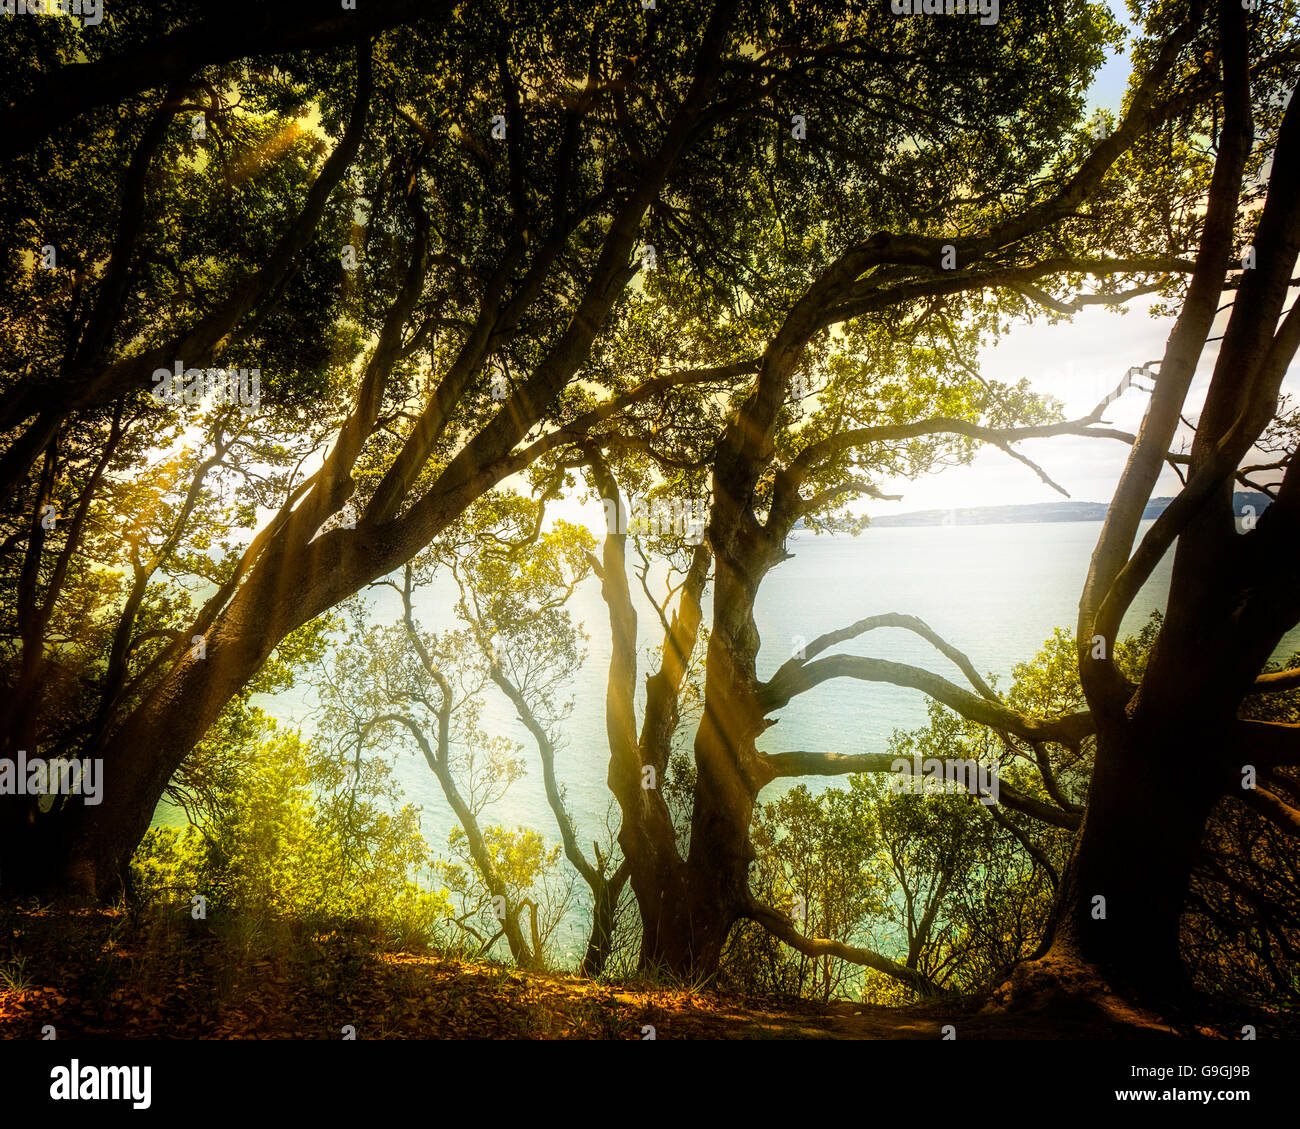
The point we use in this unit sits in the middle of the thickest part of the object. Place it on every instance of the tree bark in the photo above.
(1122, 893)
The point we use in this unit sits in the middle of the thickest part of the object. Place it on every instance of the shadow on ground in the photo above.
(113, 975)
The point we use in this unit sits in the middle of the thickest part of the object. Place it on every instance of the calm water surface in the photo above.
(994, 591)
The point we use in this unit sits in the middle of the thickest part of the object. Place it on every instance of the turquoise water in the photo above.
(994, 591)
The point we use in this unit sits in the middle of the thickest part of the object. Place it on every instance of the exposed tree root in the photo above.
(1070, 988)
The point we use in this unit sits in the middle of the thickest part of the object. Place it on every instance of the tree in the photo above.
(898, 304)
(1241, 924)
(294, 835)
(1181, 737)
(398, 684)
(852, 255)
(495, 264)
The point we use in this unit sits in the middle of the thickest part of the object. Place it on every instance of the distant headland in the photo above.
(1049, 511)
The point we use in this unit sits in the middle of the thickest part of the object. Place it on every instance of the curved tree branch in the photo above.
(792, 681)
(780, 926)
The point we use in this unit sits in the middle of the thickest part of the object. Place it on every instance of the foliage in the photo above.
(300, 834)
(1241, 928)
(933, 881)
(533, 874)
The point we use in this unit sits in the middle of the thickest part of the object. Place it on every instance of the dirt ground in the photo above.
(103, 974)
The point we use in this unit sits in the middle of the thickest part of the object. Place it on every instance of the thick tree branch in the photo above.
(235, 29)
(1277, 680)
(903, 622)
(802, 763)
(1182, 352)
(798, 679)
(780, 926)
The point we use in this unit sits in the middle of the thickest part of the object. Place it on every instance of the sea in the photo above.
(996, 592)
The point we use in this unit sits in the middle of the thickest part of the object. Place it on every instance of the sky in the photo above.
(1079, 363)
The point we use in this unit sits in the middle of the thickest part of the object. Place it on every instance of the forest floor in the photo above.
(108, 974)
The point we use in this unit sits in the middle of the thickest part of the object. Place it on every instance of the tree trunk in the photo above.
(1152, 792)
(689, 936)
(601, 938)
(86, 850)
